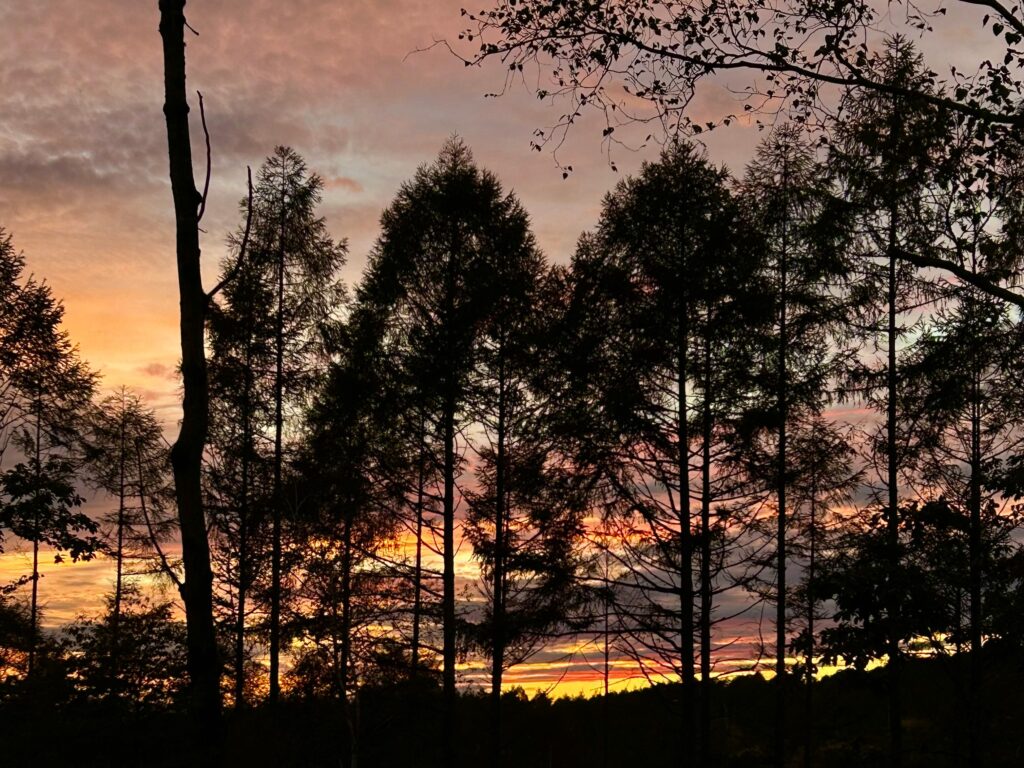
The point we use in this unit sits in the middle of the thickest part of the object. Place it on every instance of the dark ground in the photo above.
(399, 726)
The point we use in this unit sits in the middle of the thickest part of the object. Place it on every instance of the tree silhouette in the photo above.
(187, 452)
(666, 278)
(121, 430)
(790, 197)
(660, 51)
(432, 268)
(357, 465)
(46, 389)
(524, 517)
(264, 362)
(885, 155)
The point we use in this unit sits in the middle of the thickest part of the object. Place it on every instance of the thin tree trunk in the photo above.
(959, 695)
(808, 724)
(348, 751)
(417, 605)
(685, 540)
(780, 489)
(498, 602)
(892, 479)
(275, 555)
(607, 668)
(705, 559)
(34, 636)
(243, 533)
(187, 453)
(115, 619)
(974, 720)
(34, 609)
(448, 754)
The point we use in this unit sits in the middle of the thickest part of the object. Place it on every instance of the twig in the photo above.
(245, 242)
(154, 540)
(206, 133)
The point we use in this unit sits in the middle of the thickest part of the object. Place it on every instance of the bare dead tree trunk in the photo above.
(187, 453)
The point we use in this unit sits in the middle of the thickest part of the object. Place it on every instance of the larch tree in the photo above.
(524, 518)
(790, 197)
(47, 392)
(885, 155)
(962, 391)
(121, 432)
(669, 282)
(238, 472)
(431, 271)
(822, 481)
(298, 261)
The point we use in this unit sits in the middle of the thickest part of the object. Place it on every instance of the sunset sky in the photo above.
(83, 162)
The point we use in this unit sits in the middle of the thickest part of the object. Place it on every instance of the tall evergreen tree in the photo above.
(122, 434)
(667, 277)
(357, 466)
(291, 262)
(524, 519)
(432, 271)
(238, 471)
(884, 152)
(790, 199)
(47, 390)
(821, 481)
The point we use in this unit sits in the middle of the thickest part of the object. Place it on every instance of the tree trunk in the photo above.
(187, 453)
(705, 559)
(243, 532)
(448, 756)
(417, 605)
(348, 749)
(449, 753)
(275, 555)
(685, 543)
(892, 480)
(33, 639)
(606, 722)
(498, 598)
(780, 492)
(808, 724)
(974, 719)
(115, 619)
